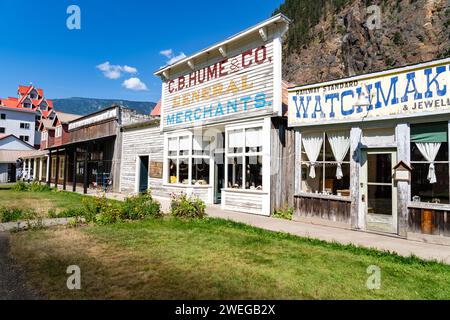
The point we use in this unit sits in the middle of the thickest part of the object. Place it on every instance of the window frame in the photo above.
(2, 129)
(322, 163)
(58, 131)
(2, 116)
(25, 126)
(243, 155)
(413, 162)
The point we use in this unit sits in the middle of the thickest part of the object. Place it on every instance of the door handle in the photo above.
(363, 198)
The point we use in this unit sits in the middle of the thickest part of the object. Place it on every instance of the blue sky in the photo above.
(36, 45)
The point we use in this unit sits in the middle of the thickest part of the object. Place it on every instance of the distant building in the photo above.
(11, 149)
(21, 116)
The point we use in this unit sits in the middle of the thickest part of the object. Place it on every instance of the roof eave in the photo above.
(277, 18)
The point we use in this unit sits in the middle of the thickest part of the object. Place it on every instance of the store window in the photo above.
(325, 163)
(244, 150)
(189, 160)
(430, 163)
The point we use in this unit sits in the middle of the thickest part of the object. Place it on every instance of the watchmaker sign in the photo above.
(237, 87)
(406, 92)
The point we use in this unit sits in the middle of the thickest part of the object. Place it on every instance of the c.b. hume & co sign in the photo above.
(233, 88)
(406, 92)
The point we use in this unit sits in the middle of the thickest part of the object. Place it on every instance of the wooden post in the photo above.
(357, 221)
(66, 160)
(402, 132)
(57, 169)
(74, 186)
(49, 168)
(85, 173)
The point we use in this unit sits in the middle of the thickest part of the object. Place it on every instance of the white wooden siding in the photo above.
(260, 75)
(140, 142)
(244, 201)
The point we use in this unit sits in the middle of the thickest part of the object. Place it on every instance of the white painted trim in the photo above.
(275, 19)
(277, 76)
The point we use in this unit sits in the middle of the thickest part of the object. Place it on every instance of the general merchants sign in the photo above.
(406, 92)
(237, 87)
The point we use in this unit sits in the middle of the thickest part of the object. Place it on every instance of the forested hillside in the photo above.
(330, 39)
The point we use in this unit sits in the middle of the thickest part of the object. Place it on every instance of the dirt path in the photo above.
(12, 284)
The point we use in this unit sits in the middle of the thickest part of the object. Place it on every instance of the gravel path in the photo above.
(12, 284)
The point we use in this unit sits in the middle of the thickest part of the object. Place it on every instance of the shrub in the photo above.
(21, 186)
(10, 214)
(187, 207)
(286, 213)
(140, 207)
(39, 187)
(92, 206)
(68, 213)
(109, 214)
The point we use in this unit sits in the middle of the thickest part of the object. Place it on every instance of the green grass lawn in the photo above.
(215, 259)
(39, 201)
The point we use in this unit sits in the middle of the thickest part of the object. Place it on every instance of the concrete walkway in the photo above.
(403, 247)
(23, 225)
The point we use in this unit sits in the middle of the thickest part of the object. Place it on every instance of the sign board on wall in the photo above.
(236, 87)
(406, 92)
(156, 170)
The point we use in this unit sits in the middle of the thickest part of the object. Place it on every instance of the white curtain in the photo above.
(312, 144)
(253, 137)
(184, 143)
(173, 144)
(340, 144)
(429, 150)
(235, 139)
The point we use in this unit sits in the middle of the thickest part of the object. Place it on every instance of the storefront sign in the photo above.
(156, 170)
(406, 92)
(235, 87)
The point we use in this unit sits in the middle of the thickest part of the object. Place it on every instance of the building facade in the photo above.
(218, 109)
(372, 151)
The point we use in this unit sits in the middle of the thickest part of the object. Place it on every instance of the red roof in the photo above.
(157, 110)
(24, 92)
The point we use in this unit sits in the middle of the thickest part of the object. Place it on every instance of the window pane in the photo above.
(184, 146)
(253, 174)
(172, 171)
(442, 155)
(235, 141)
(235, 172)
(253, 140)
(201, 145)
(379, 199)
(379, 168)
(184, 171)
(421, 187)
(332, 184)
(309, 184)
(200, 171)
(173, 147)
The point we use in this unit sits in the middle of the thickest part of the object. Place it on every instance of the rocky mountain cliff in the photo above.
(331, 39)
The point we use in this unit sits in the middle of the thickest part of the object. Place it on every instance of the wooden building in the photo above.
(222, 122)
(372, 151)
(89, 155)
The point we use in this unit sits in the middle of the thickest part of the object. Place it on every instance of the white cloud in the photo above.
(166, 53)
(111, 71)
(134, 84)
(171, 58)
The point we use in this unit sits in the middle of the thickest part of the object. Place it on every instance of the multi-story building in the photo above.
(21, 116)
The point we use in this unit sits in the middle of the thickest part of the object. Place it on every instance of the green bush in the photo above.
(286, 213)
(39, 187)
(100, 210)
(21, 186)
(68, 213)
(186, 207)
(10, 214)
(140, 207)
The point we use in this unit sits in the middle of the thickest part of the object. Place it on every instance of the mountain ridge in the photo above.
(84, 106)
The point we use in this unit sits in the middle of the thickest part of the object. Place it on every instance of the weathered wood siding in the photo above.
(440, 222)
(202, 193)
(250, 202)
(328, 209)
(260, 79)
(282, 166)
(140, 142)
(97, 131)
